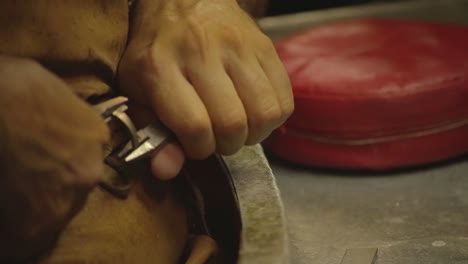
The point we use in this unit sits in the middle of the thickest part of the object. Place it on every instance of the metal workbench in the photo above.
(411, 216)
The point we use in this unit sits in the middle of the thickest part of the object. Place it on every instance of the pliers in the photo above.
(143, 142)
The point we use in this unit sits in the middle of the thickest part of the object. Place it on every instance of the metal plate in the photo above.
(263, 238)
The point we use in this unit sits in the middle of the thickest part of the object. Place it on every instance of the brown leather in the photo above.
(150, 226)
(159, 222)
(82, 40)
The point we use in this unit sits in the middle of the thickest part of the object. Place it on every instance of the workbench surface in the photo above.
(411, 216)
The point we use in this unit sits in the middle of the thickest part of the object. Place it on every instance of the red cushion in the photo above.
(375, 94)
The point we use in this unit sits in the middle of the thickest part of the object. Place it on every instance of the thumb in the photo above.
(167, 162)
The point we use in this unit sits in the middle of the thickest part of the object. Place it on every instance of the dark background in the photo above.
(279, 7)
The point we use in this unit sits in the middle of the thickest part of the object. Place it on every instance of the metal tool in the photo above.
(143, 142)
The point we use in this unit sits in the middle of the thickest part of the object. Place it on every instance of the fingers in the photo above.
(179, 107)
(258, 97)
(213, 96)
(278, 77)
(225, 108)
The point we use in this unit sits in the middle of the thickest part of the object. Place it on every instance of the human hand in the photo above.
(50, 157)
(207, 72)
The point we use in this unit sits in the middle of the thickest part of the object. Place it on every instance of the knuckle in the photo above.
(288, 108)
(145, 62)
(196, 40)
(232, 123)
(194, 45)
(228, 149)
(199, 148)
(233, 38)
(199, 153)
(142, 68)
(267, 115)
(198, 126)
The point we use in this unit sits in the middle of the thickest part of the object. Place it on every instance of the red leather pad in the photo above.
(375, 94)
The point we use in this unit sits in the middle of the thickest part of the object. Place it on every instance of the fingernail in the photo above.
(167, 163)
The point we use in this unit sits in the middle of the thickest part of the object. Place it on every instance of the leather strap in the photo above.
(220, 205)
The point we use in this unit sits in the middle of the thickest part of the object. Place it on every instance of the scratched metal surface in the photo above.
(264, 237)
(413, 216)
